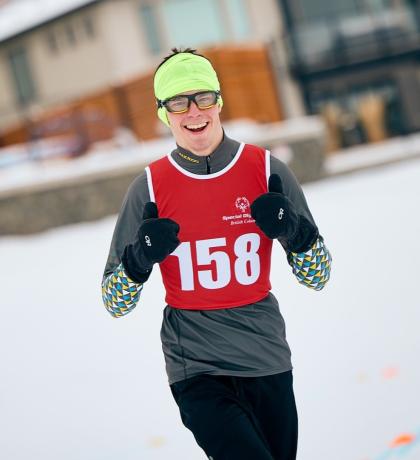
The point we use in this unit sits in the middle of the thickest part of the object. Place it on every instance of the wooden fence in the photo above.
(248, 87)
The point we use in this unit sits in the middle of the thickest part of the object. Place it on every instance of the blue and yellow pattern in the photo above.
(120, 294)
(312, 268)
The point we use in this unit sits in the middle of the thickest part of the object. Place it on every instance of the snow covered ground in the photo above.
(77, 384)
(20, 169)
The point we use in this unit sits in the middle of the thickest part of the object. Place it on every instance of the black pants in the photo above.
(240, 418)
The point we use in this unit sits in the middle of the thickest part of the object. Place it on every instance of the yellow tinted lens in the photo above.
(206, 99)
(177, 104)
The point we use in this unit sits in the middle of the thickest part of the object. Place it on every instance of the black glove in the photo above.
(156, 239)
(277, 217)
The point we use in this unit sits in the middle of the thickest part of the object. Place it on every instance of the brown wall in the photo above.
(15, 135)
(248, 89)
(140, 107)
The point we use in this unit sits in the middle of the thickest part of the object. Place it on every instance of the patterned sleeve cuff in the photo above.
(312, 268)
(120, 294)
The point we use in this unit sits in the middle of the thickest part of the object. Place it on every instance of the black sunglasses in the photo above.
(180, 104)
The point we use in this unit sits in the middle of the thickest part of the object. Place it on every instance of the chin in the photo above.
(199, 147)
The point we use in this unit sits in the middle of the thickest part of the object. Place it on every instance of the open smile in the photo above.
(197, 128)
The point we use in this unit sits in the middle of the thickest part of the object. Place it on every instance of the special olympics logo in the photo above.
(242, 203)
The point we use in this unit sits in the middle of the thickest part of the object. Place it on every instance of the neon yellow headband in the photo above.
(183, 72)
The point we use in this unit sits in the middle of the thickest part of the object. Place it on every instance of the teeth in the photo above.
(201, 125)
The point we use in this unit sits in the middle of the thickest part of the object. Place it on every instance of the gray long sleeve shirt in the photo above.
(242, 341)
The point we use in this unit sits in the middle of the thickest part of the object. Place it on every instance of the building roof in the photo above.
(20, 16)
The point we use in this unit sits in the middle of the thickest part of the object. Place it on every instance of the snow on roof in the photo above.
(17, 16)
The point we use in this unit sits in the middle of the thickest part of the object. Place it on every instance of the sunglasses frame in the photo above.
(191, 98)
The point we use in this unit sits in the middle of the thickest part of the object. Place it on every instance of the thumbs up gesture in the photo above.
(274, 213)
(156, 239)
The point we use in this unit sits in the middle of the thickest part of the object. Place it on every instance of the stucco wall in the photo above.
(7, 95)
(127, 51)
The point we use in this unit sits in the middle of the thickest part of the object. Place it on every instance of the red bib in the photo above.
(223, 260)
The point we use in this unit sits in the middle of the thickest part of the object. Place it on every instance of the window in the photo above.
(192, 22)
(327, 10)
(238, 18)
(21, 72)
(52, 42)
(71, 35)
(151, 28)
(88, 26)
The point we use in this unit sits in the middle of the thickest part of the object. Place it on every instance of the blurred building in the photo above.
(358, 62)
(52, 52)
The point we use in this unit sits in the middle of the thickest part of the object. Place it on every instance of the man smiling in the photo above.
(208, 213)
(189, 102)
(198, 129)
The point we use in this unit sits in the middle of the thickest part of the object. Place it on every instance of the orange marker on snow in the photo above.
(402, 440)
(390, 372)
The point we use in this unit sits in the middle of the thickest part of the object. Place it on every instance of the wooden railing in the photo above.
(248, 88)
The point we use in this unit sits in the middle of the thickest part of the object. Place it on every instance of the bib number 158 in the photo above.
(246, 264)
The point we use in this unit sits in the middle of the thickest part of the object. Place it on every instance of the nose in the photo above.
(193, 110)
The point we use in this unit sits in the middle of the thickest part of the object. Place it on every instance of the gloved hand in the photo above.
(274, 213)
(156, 239)
(277, 217)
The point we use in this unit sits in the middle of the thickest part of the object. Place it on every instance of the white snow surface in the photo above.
(18, 173)
(77, 384)
(19, 169)
(17, 16)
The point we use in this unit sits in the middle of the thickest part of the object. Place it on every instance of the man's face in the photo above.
(187, 130)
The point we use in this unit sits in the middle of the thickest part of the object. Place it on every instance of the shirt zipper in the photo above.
(208, 164)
